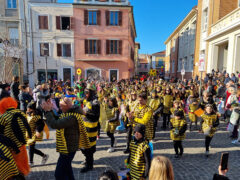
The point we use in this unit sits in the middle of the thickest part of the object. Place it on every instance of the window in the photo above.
(44, 49)
(146, 66)
(132, 54)
(205, 20)
(64, 23)
(180, 65)
(11, 4)
(114, 47)
(92, 17)
(113, 18)
(13, 36)
(173, 66)
(43, 22)
(92, 46)
(64, 50)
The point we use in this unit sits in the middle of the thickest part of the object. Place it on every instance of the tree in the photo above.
(10, 56)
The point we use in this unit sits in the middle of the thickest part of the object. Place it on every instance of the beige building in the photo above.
(10, 39)
(224, 43)
(50, 41)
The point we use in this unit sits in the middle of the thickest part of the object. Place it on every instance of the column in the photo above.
(230, 56)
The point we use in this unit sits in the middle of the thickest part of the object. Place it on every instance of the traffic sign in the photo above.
(79, 71)
(183, 72)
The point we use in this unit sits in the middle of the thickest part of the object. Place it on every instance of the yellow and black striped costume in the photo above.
(32, 121)
(91, 125)
(192, 109)
(209, 120)
(110, 113)
(15, 126)
(143, 115)
(167, 103)
(177, 124)
(154, 103)
(137, 161)
(61, 144)
(8, 167)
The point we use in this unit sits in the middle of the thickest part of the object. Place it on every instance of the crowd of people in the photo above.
(138, 105)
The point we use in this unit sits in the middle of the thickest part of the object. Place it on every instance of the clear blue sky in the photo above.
(156, 20)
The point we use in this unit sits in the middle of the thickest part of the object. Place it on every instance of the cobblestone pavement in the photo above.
(193, 165)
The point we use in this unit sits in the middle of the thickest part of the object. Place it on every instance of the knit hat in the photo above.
(140, 128)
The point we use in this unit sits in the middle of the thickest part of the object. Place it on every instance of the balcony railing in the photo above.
(104, 2)
(226, 22)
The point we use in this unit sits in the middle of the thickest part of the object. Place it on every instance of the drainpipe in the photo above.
(26, 43)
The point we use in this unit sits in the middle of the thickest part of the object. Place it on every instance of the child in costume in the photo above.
(139, 159)
(193, 106)
(37, 125)
(177, 132)
(209, 122)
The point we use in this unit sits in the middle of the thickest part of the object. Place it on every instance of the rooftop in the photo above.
(103, 2)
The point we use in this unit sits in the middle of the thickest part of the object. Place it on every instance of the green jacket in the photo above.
(70, 126)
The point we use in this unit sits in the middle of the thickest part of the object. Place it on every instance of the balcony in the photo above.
(227, 23)
(103, 2)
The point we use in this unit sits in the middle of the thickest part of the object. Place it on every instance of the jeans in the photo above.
(64, 167)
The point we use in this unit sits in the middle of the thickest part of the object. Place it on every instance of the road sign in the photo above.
(79, 71)
(183, 72)
(201, 67)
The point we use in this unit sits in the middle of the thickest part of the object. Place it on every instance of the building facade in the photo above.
(158, 62)
(224, 39)
(144, 65)
(104, 39)
(214, 51)
(180, 48)
(136, 57)
(50, 41)
(11, 54)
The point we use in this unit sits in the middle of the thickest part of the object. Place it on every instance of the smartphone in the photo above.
(224, 161)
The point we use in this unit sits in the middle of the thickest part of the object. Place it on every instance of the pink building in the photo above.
(104, 38)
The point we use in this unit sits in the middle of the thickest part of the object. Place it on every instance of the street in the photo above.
(193, 165)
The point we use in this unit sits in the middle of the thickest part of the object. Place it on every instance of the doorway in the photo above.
(67, 74)
(113, 75)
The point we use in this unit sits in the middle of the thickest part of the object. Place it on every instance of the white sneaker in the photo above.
(110, 150)
(44, 159)
(31, 164)
(115, 143)
(236, 142)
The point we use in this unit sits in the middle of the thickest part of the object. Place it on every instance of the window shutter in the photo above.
(98, 17)
(41, 49)
(85, 17)
(40, 22)
(107, 46)
(45, 22)
(86, 46)
(68, 49)
(59, 50)
(72, 21)
(99, 46)
(120, 47)
(107, 18)
(58, 21)
(120, 18)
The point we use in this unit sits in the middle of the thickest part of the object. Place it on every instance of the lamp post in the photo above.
(46, 68)
(183, 68)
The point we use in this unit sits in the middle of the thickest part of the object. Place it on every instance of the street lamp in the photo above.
(46, 68)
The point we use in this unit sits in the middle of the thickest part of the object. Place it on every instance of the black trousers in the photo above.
(99, 128)
(208, 140)
(88, 153)
(156, 117)
(111, 135)
(166, 120)
(129, 136)
(32, 151)
(178, 146)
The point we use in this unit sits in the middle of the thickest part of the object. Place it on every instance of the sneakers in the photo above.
(110, 150)
(207, 153)
(31, 164)
(44, 159)
(236, 142)
(176, 156)
(115, 143)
